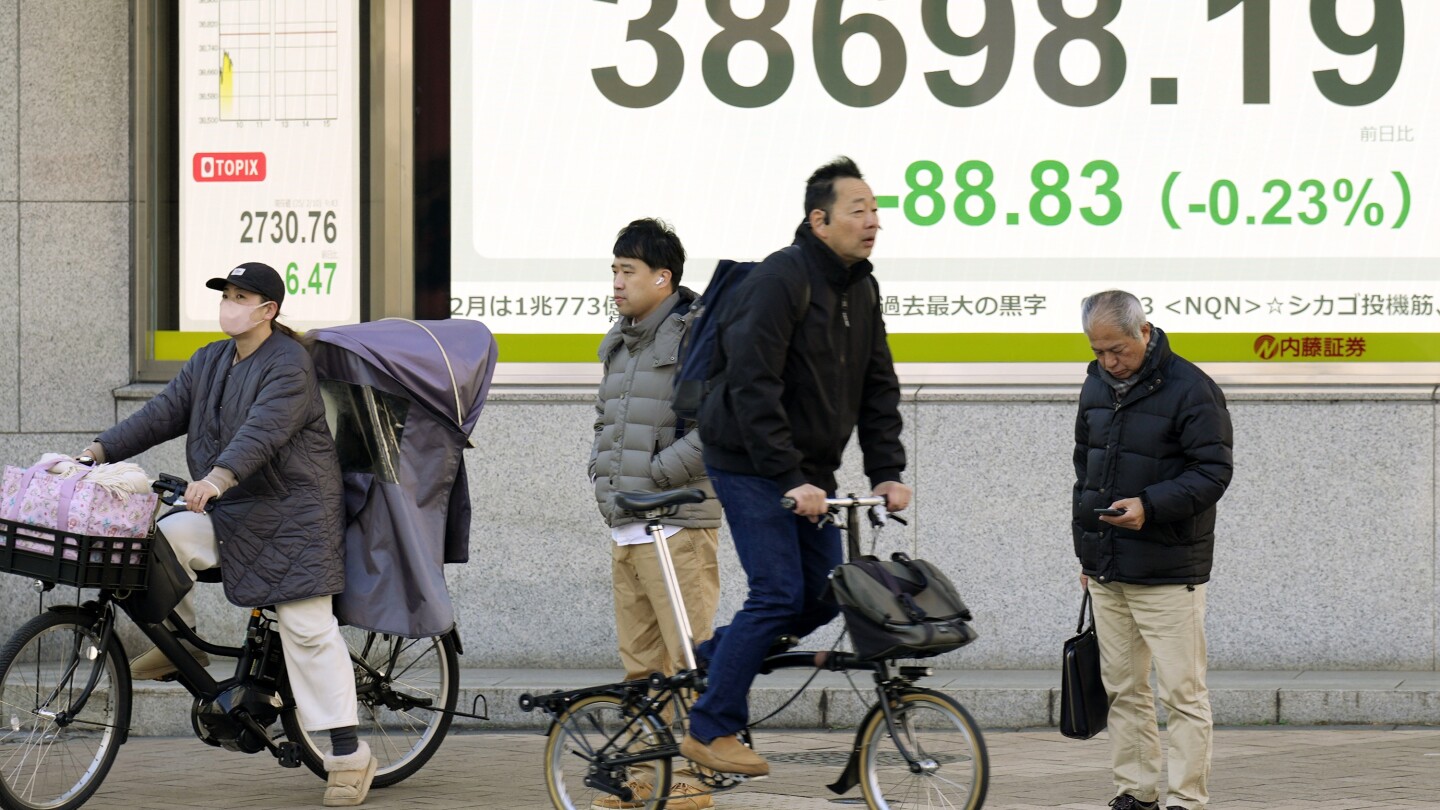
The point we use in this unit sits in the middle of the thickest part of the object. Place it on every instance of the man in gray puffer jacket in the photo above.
(639, 445)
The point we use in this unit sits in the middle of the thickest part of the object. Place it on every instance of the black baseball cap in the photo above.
(257, 277)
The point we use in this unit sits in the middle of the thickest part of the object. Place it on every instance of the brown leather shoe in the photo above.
(724, 754)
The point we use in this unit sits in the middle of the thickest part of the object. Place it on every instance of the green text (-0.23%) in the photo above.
(1309, 202)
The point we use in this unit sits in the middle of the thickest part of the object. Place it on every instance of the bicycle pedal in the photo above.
(741, 779)
(289, 755)
(724, 781)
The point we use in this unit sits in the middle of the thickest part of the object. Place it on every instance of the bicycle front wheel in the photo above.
(583, 744)
(406, 689)
(952, 768)
(55, 752)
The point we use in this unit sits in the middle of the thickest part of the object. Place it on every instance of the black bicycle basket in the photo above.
(85, 561)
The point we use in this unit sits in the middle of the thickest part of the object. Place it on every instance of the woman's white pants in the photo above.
(316, 658)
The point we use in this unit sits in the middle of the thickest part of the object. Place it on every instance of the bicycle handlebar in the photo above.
(172, 490)
(842, 503)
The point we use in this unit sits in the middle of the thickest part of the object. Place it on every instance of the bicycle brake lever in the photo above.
(877, 516)
(898, 519)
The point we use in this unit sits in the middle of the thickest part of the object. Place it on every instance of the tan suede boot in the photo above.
(349, 777)
(152, 665)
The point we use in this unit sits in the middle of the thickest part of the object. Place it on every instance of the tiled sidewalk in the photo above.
(996, 698)
(1330, 768)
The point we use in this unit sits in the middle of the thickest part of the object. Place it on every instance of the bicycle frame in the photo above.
(654, 694)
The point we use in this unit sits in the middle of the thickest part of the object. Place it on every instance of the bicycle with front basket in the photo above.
(65, 690)
(915, 747)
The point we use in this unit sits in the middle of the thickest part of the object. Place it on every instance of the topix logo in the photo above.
(229, 167)
(1266, 347)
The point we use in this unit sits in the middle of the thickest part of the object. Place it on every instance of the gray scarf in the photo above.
(1122, 387)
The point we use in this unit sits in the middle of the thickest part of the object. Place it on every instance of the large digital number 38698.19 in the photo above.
(831, 31)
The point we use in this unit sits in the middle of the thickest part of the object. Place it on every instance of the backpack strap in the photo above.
(794, 251)
(804, 299)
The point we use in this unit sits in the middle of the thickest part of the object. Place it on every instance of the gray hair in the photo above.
(1115, 308)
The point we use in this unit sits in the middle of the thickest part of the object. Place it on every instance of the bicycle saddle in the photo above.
(650, 501)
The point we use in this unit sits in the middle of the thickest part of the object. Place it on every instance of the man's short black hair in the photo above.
(820, 188)
(654, 242)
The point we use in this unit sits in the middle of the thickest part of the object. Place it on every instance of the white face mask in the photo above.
(235, 317)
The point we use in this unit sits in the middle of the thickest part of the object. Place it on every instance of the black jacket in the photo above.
(280, 528)
(1168, 441)
(797, 382)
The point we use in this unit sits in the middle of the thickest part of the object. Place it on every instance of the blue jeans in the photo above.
(787, 565)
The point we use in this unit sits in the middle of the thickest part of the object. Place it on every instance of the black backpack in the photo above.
(701, 358)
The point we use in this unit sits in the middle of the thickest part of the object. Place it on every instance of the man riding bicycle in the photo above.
(806, 362)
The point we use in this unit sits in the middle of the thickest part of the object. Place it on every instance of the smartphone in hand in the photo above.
(1110, 512)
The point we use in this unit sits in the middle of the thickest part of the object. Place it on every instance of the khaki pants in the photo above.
(316, 658)
(1164, 623)
(649, 640)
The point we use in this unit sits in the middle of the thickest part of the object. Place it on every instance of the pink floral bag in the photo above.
(72, 505)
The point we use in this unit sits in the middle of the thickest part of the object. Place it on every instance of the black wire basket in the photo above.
(84, 561)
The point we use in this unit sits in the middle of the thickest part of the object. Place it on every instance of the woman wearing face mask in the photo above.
(258, 448)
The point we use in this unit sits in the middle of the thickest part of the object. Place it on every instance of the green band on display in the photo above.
(997, 347)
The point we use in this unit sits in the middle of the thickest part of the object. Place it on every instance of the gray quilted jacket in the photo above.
(635, 446)
(280, 528)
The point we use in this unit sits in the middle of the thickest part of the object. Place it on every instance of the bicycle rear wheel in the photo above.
(53, 756)
(586, 737)
(406, 689)
(953, 769)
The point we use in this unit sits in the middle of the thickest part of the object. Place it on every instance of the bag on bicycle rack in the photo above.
(902, 608)
(73, 504)
(168, 583)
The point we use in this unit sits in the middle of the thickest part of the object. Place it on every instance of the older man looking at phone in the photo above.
(1152, 458)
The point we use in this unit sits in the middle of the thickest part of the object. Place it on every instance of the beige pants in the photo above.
(649, 640)
(321, 675)
(1164, 623)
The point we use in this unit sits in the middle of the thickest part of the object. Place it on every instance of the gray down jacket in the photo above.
(635, 446)
(280, 528)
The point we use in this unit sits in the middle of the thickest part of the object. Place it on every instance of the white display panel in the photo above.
(1255, 170)
(269, 153)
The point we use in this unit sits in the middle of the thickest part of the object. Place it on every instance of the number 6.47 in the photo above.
(295, 286)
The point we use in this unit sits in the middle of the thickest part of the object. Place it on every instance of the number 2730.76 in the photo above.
(287, 227)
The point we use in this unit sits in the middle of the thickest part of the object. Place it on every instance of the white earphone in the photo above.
(659, 281)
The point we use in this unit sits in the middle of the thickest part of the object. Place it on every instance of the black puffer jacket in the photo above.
(798, 381)
(280, 528)
(1168, 441)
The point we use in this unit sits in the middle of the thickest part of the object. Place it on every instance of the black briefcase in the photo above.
(1083, 704)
